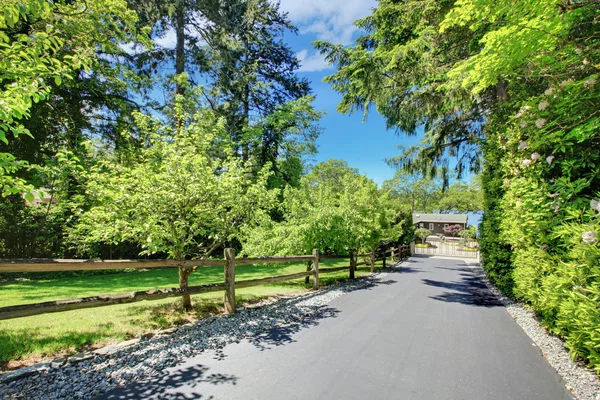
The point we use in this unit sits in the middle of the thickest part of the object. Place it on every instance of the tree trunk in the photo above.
(180, 43)
(352, 264)
(245, 144)
(308, 268)
(179, 55)
(184, 273)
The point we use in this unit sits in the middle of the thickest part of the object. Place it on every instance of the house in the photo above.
(437, 222)
(41, 196)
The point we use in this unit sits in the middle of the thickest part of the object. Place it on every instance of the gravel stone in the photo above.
(88, 375)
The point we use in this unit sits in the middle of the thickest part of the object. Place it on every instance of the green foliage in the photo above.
(335, 210)
(470, 233)
(33, 36)
(413, 193)
(422, 233)
(462, 198)
(176, 199)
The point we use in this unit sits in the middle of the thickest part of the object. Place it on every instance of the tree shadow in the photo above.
(457, 269)
(409, 270)
(307, 315)
(283, 335)
(165, 387)
(469, 290)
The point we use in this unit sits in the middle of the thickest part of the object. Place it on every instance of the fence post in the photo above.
(373, 261)
(316, 268)
(384, 258)
(352, 264)
(229, 281)
(393, 254)
(412, 248)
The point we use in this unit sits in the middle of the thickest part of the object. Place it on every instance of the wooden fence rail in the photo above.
(228, 286)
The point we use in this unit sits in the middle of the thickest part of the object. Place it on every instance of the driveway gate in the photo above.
(447, 247)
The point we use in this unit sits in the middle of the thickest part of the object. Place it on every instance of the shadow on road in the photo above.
(165, 386)
(409, 270)
(305, 314)
(469, 290)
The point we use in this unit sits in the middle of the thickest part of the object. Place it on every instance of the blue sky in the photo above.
(362, 145)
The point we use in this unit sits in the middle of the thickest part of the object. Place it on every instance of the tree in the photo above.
(34, 38)
(469, 233)
(423, 234)
(453, 229)
(416, 193)
(177, 199)
(236, 50)
(335, 209)
(461, 198)
(400, 67)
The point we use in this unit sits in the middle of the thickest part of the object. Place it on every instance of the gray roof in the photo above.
(446, 218)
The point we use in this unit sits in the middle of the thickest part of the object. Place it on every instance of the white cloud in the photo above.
(329, 20)
(167, 40)
(311, 62)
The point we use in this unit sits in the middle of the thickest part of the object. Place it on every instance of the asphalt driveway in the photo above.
(430, 330)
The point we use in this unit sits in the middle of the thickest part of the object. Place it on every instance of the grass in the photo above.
(27, 340)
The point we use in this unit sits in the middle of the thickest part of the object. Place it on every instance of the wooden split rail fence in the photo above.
(228, 286)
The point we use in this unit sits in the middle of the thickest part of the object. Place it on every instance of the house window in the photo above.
(445, 225)
(421, 225)
(431, 226)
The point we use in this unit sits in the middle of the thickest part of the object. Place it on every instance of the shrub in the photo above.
(422, 233)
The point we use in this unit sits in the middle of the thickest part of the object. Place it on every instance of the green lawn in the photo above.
(25, 340)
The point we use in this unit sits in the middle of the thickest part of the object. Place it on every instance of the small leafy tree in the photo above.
(177, 198)
(335, 209)
(467, 235)
(453, 230)
(422, 233)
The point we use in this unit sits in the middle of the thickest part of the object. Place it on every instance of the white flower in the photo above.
(542, 106)
(518, 203)
(526, 162)
(590, 83)
(535, 156)
(549, 91)
(523, 124)
(589, 237)
(523, 145)
(566, 82)
(540, 122)
(595, 205)
(506, 182)
(549, 159)
(554, 195)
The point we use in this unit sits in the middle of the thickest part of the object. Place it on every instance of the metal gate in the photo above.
(447, 247)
